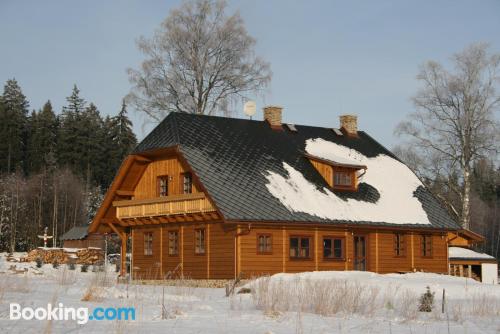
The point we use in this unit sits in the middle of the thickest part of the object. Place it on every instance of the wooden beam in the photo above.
(140, 158)
(123, 257)
(122, 192)
(121, 234)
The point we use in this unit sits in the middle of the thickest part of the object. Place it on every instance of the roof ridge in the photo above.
(175, 129)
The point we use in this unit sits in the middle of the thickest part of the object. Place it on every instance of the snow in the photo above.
(203, 310)
(460, 252)
(394, 181)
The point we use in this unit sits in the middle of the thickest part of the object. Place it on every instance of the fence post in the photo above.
(442, 302)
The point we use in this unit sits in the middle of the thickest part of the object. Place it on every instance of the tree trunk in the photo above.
(465, 218)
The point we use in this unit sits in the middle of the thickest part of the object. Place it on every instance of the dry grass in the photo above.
(95, 290)
(330, 297)
(66, 277)
(324, 297)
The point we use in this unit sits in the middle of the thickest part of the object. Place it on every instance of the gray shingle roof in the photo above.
(232, 156)
(76, 233)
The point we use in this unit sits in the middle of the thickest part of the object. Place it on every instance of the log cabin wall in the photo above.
(216, 263)
(380, 251)
(146, 266)
(147, 187)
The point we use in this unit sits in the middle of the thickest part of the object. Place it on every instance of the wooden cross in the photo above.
(45, 237)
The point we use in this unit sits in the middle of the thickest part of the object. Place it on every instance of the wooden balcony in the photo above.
(173, 205)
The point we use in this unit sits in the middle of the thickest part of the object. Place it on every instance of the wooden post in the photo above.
(283, 241)
(376, 252)
(442, 302)
(123, 257)
(316, 248)
(208, 251)
(412, 252)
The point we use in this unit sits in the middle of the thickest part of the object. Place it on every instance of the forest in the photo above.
(55, 167)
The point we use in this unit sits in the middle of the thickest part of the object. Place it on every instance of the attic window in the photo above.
(342, 179)
(340, 174)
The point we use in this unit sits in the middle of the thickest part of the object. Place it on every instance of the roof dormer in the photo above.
(339, 175)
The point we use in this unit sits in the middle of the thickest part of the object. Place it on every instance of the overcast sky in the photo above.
(327, 57)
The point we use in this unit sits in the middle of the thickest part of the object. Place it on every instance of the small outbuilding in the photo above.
(79, 237)
(465, 262)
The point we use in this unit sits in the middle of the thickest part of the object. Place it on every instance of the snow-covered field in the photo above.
(317, 302)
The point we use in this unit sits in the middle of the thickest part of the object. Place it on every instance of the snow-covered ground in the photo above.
(315, 302)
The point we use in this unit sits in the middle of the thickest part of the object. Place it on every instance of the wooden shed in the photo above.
(465, 262)
(79, 237)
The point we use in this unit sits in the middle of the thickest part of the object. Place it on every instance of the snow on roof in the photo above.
(465, 253)
(394, 181)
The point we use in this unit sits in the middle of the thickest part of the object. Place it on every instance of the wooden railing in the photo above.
(164, 206)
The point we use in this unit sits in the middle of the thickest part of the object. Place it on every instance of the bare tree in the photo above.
(198, 61)
(454, 123)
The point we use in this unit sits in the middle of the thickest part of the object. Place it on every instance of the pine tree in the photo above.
(42, 139)
(67, 147)
(122, 140)
(13, 119)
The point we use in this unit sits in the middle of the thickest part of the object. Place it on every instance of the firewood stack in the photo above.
(62, 255)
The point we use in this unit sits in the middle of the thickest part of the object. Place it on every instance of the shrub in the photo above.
(245, 290)
(426, 301)
(84, 268)
(71, 266)
(55, 264)
(39, 262)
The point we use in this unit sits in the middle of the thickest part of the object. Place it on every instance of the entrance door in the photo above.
(360, 252)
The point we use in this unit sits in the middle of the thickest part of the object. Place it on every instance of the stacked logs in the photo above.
(65, 255)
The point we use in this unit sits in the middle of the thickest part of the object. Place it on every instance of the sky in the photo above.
(327, 57)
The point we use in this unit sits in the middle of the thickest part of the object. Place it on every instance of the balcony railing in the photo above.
(164, 206)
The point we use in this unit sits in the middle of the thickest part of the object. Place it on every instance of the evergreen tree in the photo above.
(122, 141)
(42, 139)
(68, 153)
(88, 144)
(13, 119)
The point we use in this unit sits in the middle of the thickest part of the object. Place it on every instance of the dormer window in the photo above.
(342, 179)
(338, 175)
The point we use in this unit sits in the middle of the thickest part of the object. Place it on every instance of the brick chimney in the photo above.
(272, 114)
(350, 124)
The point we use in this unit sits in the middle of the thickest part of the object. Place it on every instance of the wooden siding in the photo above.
(146, 266)
(147, 186)
(162, 206)
(325, 170)
(216, 263)
(379, 245)
(222, 245)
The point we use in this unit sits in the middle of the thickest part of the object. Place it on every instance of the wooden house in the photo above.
(215, 198)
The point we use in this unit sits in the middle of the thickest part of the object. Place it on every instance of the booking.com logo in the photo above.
(80, 314)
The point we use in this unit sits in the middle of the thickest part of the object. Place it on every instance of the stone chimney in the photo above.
(272, 114)
(350, 124)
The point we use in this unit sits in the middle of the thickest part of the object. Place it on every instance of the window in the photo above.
(342, 179)
(148, 243)
(399, 244)
(163, 185)
(173, 243)
(426, 245)
(264, 244)
(333, 248)
(187, 183)
(299, 247)
(199, 242)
